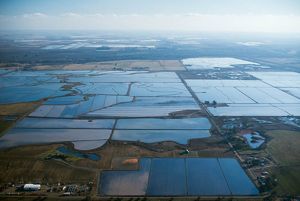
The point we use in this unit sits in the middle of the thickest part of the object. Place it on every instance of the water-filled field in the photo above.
(74, 103)
(214, 62)
(271, 95)
(179, 177)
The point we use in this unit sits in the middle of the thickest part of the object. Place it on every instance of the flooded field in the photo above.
(89, 111)
(158, 89)
(147, 107)
(95, 45)
(164, 124)
(111, 95)
(126, 182)
(31, 136)
(279, 79)
(270, 96)
(151, 136)
(213, 62)
(150, 130)
(145, 115)
(249, 110)
(65, 123)
(179, 177)
(75, 100)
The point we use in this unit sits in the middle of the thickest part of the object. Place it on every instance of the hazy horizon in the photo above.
(170, 15)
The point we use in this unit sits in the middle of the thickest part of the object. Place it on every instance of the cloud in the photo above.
(96, 15)
(181, 22)
(34, 15)
(192, 14)
(251, 43)
(71, 15)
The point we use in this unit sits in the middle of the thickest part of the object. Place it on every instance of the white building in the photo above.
(32, 187)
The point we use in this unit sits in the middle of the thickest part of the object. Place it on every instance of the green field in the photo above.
(284, 148)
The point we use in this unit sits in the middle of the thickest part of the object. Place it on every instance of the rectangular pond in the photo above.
(258, 95)
(237, 180)
(225, 83)
(128, 76)
(211, 94)
(278, 79)
(179, 177)
(164, 124)
(213, 62)
(126, 183)
(23, 136)
(295, 91)
(205, 177)
(147, 107)
(158, 89)
(248, 110)
(65, 100)
(291, 109)
(103, 88)
(167, 177)
(65, 123)
(243, 94)
(151, 136)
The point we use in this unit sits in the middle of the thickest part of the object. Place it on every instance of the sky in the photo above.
(278, 16)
